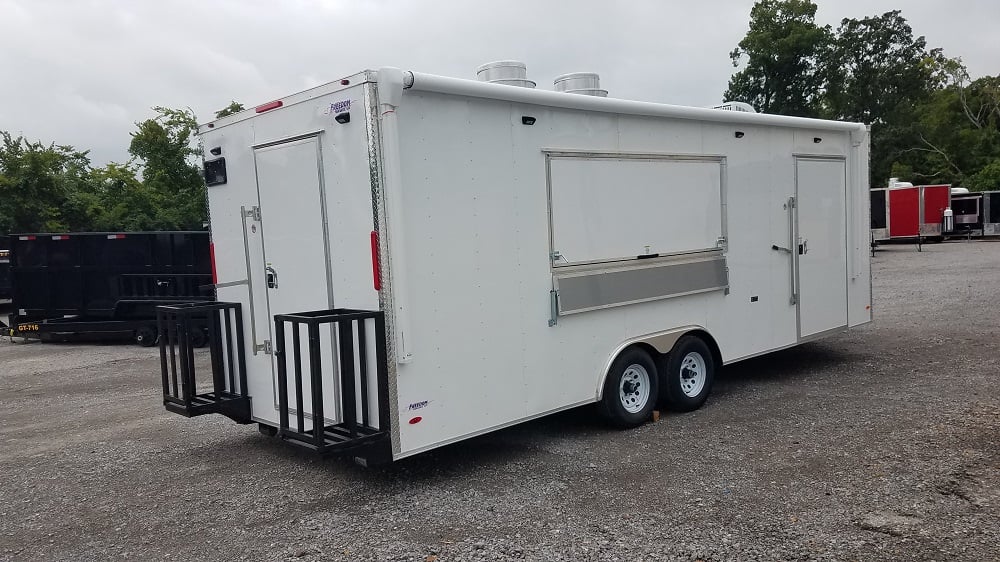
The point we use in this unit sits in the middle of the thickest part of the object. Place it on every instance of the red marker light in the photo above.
(268, 106)
(211, 255)
(376, 271)
(415, 420)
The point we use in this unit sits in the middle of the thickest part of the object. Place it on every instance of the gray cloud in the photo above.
(82, 72)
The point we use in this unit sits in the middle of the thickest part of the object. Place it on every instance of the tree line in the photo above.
(54, 188)
(931, 123)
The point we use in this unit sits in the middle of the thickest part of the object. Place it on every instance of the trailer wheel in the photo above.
(630, 389)
(688, 375)
(145, 336)
(198, 338)
(268, 430)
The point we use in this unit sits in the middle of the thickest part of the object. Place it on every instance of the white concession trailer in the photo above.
(405, 260)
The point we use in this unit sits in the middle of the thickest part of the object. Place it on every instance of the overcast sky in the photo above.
(82, 72)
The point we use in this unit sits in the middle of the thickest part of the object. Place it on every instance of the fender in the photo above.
(662, 342)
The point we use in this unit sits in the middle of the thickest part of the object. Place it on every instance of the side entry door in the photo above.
(295, 257)
(821, 244)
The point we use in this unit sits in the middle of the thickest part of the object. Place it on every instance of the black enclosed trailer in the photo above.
(106, 283)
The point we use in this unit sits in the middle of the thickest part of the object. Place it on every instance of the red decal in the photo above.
(415, 420)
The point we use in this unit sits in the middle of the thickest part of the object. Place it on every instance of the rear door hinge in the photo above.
(252, 213)
(264, 347)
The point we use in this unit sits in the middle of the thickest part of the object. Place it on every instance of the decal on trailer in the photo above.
(418, 405)
(337, 107)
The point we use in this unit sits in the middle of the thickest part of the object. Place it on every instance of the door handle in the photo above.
(780, 249)
(272, 277)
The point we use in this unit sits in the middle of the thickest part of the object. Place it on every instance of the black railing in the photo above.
(181, 327)
(339, 343)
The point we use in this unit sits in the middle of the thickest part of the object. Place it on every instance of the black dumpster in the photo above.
(4, 267)
(106, 282)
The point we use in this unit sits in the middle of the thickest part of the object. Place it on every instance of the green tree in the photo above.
(165, 147)
(782, 52)
(876, 68)
(233, 107)
(118, 200)
(953, 135)
(37, 186)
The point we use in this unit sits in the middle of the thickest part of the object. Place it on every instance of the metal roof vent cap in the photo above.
(585, 83)
(736, 106)
(507, 72)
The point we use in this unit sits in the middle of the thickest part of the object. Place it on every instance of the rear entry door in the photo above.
(294, 267)
(821, 249)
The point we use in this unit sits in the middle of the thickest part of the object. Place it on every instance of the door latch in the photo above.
(263, 348)
(272, 277)
(803, 247)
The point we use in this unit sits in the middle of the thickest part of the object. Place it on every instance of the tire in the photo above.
(630, 389)
(198, 338)
(146, 336)
(688, 375)
(268, 430)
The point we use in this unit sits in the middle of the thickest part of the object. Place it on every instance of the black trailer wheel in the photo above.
(198, 338)
(630, 389)
(688, 375)
(146, 336)
(268, 430)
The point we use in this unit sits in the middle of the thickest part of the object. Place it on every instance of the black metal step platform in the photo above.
(360, 422)
(226, 394)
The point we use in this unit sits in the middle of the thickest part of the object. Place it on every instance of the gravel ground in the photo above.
(878, 444)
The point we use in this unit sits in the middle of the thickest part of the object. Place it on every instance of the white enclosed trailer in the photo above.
(418, 259)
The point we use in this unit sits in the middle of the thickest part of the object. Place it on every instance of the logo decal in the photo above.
(339, 107)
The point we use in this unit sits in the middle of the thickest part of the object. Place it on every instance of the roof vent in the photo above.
(585, 83)
(736, 106)
(507, 72)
